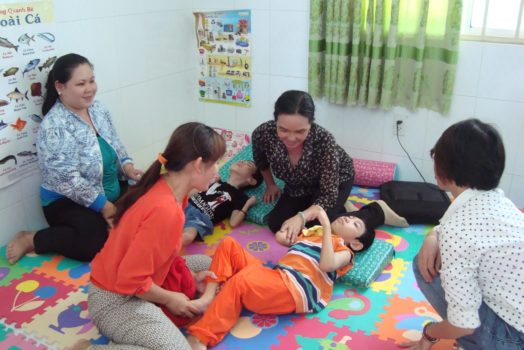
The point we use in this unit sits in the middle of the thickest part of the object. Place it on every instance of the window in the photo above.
(493, 20)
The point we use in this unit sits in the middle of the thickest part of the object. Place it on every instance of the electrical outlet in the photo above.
(399, 127)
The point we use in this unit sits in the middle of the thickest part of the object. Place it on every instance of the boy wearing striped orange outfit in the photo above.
(301, 282)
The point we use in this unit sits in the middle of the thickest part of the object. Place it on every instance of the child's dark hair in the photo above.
(470, 153)
(258, 178)
(188, 142)
(295, 102)
(367, 238)
(61, 72)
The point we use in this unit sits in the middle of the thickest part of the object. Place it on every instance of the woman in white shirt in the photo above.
(471, 266)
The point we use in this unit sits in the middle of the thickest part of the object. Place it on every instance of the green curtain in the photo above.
(384, 53)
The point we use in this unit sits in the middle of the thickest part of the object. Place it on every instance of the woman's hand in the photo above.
(180, 305)
(429, 262)
(108, 212)
(200, 279)
(132, 173)
(272, 193)
(292, 227)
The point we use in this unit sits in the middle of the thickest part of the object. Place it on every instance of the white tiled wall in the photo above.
(489, 87)
(141, 53)
(146, 66)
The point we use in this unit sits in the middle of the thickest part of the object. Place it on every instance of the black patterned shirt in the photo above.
(321, 168)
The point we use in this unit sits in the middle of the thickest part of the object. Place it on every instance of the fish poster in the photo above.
(27, 53)
(224, 53)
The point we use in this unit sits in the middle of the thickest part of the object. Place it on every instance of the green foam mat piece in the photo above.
(258, 212)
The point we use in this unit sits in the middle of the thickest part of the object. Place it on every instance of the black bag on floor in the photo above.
(418, 202)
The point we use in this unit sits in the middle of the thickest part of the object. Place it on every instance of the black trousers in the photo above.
(74, 231)
(288, 206)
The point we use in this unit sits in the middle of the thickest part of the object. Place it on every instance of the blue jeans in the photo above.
(493, 334)
(198, 220)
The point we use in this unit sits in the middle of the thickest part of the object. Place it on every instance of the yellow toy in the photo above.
(315, 231)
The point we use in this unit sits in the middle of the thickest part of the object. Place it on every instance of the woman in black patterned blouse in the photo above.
(315, 169)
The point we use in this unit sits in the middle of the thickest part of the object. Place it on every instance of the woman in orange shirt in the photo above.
(127, 274)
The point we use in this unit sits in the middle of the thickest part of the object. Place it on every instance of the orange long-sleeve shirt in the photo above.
(141, 248)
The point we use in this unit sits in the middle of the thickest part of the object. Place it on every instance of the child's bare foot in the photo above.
(350, 207)
(195, 343)
(82, 344)
(19, 245)
(390, 217)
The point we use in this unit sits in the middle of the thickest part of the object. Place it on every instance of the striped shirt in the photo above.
(310, 287)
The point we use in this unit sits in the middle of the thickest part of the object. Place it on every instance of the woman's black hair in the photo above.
(61, 72)
(295, 102)
(188, 142)
(470, 153)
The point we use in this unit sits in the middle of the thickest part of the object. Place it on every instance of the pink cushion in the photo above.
(373, 173)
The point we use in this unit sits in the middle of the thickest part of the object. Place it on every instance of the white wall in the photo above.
(488, 86)
(144, 70)
(146, 66)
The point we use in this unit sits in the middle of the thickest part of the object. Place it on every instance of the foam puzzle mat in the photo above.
(43, 303)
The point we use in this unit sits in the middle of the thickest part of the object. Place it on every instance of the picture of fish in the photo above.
(17, 95)
(8, 158)
(2, 125)
(48, 63)
(31, 65)
(36, 89)
(10, 71)
(26, 39)
(19, 125)
(3, 103)
(26, 154)
(46, 36)
(36, 118)
(6, 43)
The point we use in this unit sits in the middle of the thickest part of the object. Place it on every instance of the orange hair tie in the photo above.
(162, 159)
(163, 162)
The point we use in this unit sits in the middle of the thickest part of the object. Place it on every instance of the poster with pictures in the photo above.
(27, 53)
(224, 53)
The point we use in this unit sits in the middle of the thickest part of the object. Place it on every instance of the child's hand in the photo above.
(251, 201)
(316, 212)
(201, 304)
(180, 305)
(285, 238)
(323, 218)
(293, 227)
(200, 279)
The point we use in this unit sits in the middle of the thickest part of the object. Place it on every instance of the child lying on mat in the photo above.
(301, 282)
(366, 219)
(220, 201)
